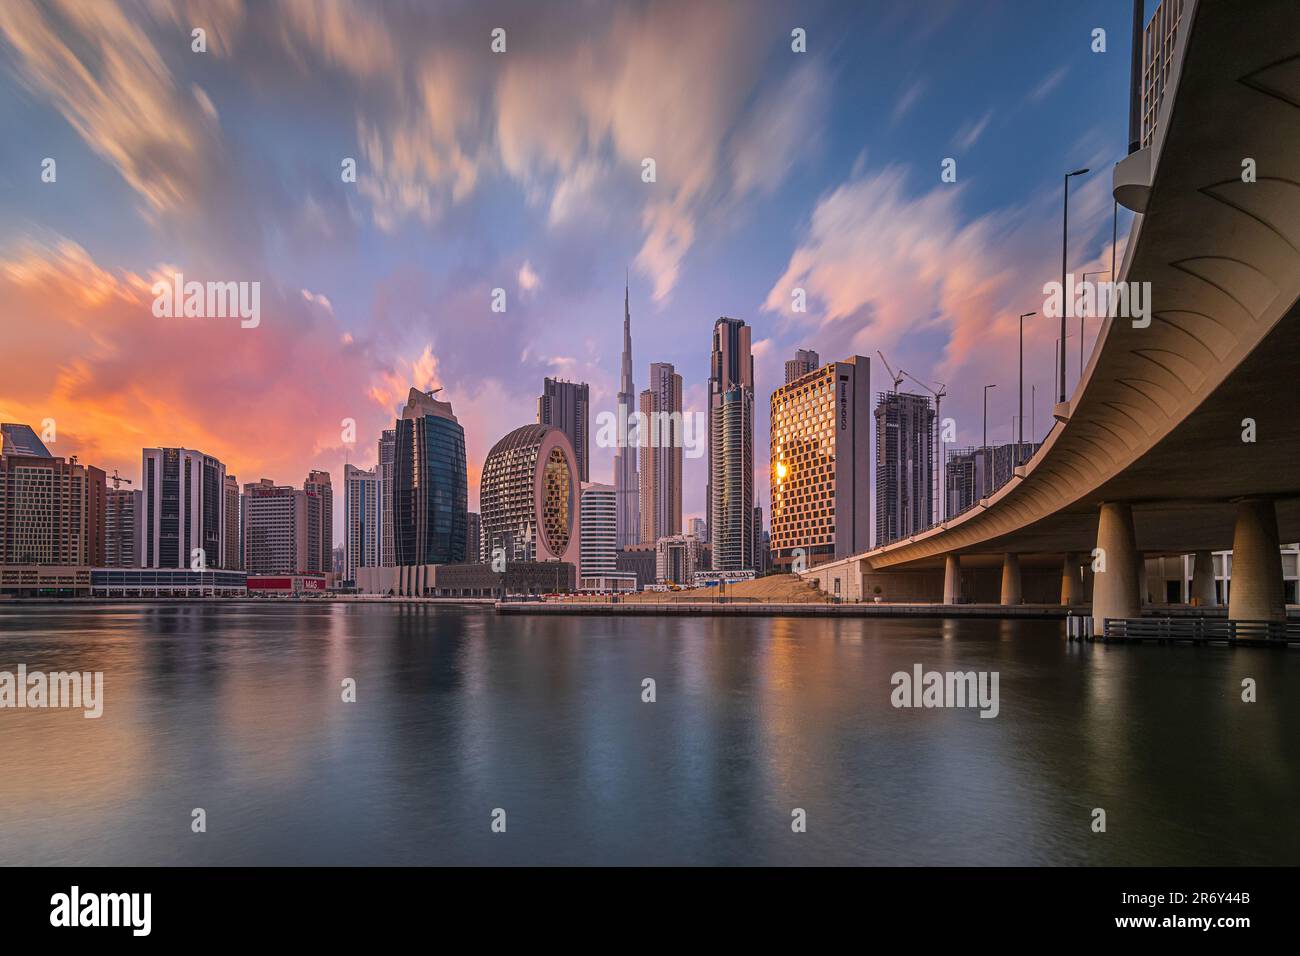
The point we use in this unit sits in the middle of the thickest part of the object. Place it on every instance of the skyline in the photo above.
(791, 169)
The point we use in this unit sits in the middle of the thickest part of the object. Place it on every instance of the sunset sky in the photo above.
(522, 170)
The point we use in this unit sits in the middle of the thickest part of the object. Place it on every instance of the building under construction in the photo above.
(904, 465)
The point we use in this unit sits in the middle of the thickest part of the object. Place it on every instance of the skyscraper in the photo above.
(821, 463)
(564, 405)
(904, 465)
(361, 522)
(233, 555)
(730, 492)
(282, 527)
(184, 508)
(530, 499)
(804, 361)
(627, 487)
(122, 528)
(473, 538)
(52, 510)
(384, 472)
(599, 542)
(318, 483)
(430, 483)
(661, 454)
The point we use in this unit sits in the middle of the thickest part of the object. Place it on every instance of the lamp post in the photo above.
(984, 454)
(1065, 234)
(1023, 316)
(1081, 318)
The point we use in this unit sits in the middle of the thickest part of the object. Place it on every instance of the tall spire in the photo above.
(625, 384)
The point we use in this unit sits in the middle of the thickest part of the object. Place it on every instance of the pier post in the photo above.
(1011, 593)
(1203, 591)
(952, 579)
(1115, 585)
(1071, 583)
(1256, 593)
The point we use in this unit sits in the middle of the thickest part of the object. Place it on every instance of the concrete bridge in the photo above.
(1149, 456)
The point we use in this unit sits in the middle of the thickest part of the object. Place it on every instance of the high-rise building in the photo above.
(430, 484)
(904, 465)
(338, 561)
(184, 509)
(599, 538)
(1158, 39)
(530, 498)
(473, 538)
(761, 559)
(627, 480)
(565, 405)
(282, 527)
(318, 482)
(730, 492)
(233, 555)
(821, 465)
(804, 361)
(974, 473)
(661, 454)
(384, 471)
(123, 528)
(52, 510)
(698, 528)
(361, 524)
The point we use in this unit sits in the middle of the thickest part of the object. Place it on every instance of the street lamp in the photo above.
(984, 485)
(1081, 317)
(1065, 234)
(1021, 441)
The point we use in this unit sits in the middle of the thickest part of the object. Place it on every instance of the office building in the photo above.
(761, 560)
(904, 465)
(637, 561)
(661, 454)
(677, 558)
(430, 484)
(318, 483)
(282, 527)
(52, 510)
(530, 498)
(184, 509)
(1158, 40)
(233, 553)
(821, 462)
(974, 473)
(361, 522)
(123, 528)
(627, 477)
(699, 528)
(565, 405)
(384, 471)
(599, 534)
(730, 488)
(804, 361)
(473, 538)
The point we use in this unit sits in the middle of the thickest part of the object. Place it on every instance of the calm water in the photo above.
(237, 709)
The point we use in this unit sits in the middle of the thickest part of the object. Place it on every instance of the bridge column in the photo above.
(952, 579)
(1011, 579)
(1070, 580)
(1256, 592)
(1203, 592)
(1115, 588)
(1144, 585)
(1089, 580)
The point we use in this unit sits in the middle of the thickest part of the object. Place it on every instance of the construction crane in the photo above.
(118, 479)
(939, 509)
(897, 378)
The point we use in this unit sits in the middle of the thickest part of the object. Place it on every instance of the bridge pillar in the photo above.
(1203, 592)
(1144, 584)
(1115, 588)
(952, 579)
(1011, 579)
(1089, 580)
(1071, 583)
(1256, 592)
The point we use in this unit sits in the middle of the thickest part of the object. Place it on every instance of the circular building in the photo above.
(529, 497)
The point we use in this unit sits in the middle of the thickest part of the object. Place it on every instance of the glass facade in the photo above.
(430, 491)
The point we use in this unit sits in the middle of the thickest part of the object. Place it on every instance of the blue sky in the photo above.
(522, 170)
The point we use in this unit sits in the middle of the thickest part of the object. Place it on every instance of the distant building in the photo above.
(430, 484)
(638, 561)
(361, 522)
(627, 479)
(677, 558)
(699, 528)
(233, 543)
(384, 472)
(730, 491)
(318, 482)
(974, 473)
(282, 527)
(821, 463)
(184, 509)
(123, 528)
(52, 510)
(804, 361)
(661, 454)
(599, 537)
(473, 538)
(530, 498)
(904, 465)
(566, 406)
(338, 561)
(761, 558)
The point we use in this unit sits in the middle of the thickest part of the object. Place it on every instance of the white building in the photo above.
(362, 528)
(599, 515)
